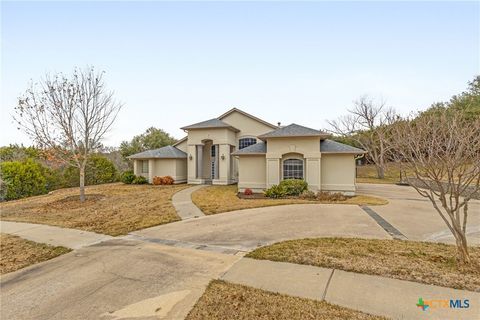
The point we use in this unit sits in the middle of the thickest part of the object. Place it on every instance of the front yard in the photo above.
(113, 209)
(17, 253)
(425, 262)
(224, 300)
(217, 199)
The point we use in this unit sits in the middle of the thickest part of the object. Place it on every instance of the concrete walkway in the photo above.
(56, 236)
(377, 295)
(182, 201)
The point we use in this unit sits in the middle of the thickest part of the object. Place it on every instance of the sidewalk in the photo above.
(56, 236)
(376, 295)
(182, 201)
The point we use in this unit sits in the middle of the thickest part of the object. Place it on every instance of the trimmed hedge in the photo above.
(20, 179)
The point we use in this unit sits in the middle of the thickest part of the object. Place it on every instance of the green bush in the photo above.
(140, 180)
(293, 187)
(275, 191)
(22, 179)
(99, 170)
(127, 177)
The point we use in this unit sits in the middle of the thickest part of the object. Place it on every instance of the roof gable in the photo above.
(330, 146)
(168, 152)
(294, 130)
(248, 115)
(209, 124)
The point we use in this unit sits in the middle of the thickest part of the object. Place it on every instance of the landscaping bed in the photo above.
(113, 209)
(224, 300)
(17, 253)
(217, 199)
(424, 262)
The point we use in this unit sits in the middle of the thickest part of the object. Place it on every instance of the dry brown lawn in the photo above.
(224, 300)
(425, 262)
(368, 174)
(113, 209)
(17, 253)
(217, 199)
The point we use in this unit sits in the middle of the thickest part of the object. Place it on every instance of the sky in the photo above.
(172, 64)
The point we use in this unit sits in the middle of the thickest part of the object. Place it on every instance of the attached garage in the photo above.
(166, 161)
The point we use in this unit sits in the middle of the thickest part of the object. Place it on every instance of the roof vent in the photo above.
(279, 124)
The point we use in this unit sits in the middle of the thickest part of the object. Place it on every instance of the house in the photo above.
(240, 148)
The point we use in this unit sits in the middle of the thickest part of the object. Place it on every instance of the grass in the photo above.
(425, 262)
(224, 300)
(368, 174)
(18, 253)
(113, 209)
(217, 199)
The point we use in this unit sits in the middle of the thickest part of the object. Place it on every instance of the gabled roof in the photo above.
(212, 123)
(247, 115)
(330, 146)
(293, 130)
(257, 148)
(180, 141)
(168, 152)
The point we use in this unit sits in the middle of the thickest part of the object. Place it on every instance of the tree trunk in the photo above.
(82, 183)
(380, 171)
(462, 249)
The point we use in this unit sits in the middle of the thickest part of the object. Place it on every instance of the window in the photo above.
(293, 169)
(212, 151)
(245, 142)
(144, 166)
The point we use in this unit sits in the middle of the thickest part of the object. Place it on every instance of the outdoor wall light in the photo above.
(190, 156)
(223, 157)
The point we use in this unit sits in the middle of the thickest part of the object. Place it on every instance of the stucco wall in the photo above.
(305, 148)
(182, 145)
(252, 173)
(248, 127)
(181, 171)
(338, 173)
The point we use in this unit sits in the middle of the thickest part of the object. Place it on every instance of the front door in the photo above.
(214, 161)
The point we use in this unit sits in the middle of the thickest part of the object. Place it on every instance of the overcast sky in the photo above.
(173, 64)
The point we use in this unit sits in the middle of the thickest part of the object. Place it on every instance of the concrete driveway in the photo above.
(116, 279)
(248, 229)
(415, 216)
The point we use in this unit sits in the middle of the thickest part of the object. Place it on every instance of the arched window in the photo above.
(293, 169)
(245, 142)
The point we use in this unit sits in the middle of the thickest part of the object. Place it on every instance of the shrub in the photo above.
(98, 170)
(22, 179)
(157, 180)
(327, 196)
(308, 195)
(248, 192)
(140, 180)
(293, 187)
(127, 177)
(166, 180)
(275, 191)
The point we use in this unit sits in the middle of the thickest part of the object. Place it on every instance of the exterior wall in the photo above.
(181, 171)
(248, 127)
(182, 145)
(252, 174)
(338, 173)
(224, 138)
(305, 148)
(176, 168)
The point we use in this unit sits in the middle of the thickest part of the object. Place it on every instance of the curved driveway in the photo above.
(415, 217)
(247, 229)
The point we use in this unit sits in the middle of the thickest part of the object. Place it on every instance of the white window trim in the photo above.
(293, 158)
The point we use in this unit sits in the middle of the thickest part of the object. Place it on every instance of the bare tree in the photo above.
(441, 152)
(368, 124)
(68, 116)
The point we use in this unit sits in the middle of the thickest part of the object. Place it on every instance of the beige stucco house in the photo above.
(240, 148)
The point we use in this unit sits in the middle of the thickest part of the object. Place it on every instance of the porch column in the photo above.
(199, 161)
